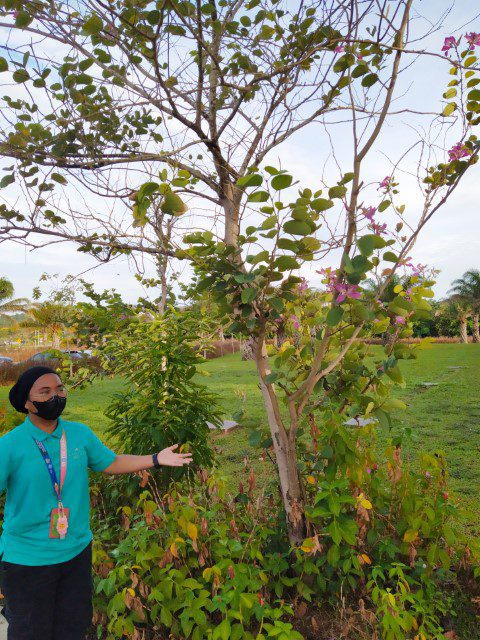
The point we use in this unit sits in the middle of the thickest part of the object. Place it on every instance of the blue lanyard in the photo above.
(51, 470)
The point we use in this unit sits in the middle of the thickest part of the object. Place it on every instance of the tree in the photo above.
(51, 317)
(193, 98)
(467, 290)
(8, 303)
(458, 309)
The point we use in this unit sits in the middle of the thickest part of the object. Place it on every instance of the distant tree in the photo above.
(8, 303)
(456, 308)
(51, 317)
(467, 289)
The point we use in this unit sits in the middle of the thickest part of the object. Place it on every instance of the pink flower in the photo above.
(448, 44)
(339, 49)
(473, 39)
(385, 183)
(369, 212)
(347, 291)
(295, 321)
(428, 474)
(231, 573)
(303, 285)
(369, 471)
(378, 228)
(329, 276)
(399, 320)
(458, 151)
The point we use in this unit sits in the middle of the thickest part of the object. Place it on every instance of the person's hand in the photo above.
(168, 458)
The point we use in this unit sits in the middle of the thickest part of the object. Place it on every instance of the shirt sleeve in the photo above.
(99, 455)
(4, 463)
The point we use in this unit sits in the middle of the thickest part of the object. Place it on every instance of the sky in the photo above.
(450, 243)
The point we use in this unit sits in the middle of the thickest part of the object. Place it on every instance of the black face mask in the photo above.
(50, 409)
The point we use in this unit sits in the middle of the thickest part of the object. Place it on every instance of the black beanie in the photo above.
(19, 392)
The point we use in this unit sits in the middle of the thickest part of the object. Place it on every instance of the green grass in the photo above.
(444, 418)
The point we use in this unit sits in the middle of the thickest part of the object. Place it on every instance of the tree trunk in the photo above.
(162, 265)
(287, 465)
(463, 329)
(476, 333)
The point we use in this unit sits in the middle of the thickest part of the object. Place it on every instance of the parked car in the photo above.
(75, 354)
(42, 356)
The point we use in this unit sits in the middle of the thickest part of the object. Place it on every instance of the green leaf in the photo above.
(258, 196)
(176, 30)
(263, 256)
(284, 263)
(250, 180)
(93, 25)
(384, 205)
(281, 181)
(289, 245)
(248, 295)
(6, 180)
(369, 80)
(297, 228)
(333, 555)
(321, 204)
(57, 177)
(337, 192)
(366, 244)
(334, 316)
(449, 109)
(474, 95)
(3, 65)
(23, 19)
(395, 374)
(389, 256)
(173, 204)
(451, 93)
(21, 75)
(335, 532)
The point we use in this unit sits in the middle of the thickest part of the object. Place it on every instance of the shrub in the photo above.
(162, 404)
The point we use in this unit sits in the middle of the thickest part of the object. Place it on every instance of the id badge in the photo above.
(54, 521)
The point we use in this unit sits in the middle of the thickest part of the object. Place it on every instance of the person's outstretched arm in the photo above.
(125, 463)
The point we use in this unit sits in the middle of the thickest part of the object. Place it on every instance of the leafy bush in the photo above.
(197, 562)
(162, 404)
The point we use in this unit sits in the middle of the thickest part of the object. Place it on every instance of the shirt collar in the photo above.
(39, 434)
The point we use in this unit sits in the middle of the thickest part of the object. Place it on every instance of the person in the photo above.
(46, 542)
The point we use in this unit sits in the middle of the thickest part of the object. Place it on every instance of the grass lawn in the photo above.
(445, 417)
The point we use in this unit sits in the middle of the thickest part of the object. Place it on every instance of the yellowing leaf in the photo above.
(391, 599)
(192, 531)
(410, 535)
(366, 559)
(366, 504)
(173, 550)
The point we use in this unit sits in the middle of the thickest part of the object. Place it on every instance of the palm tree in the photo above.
(467, 288)
(7, 302)
(458, 308)
(49, 316)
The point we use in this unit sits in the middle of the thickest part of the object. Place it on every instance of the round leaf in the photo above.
(297, 228)
(281, 181)
(250, 180)
(93, 25)
(258, 196)
(21, 75)
(334, 316)
(449, 109)
(173, 204)
(3, 65)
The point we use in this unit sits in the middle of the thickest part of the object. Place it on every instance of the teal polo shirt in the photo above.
(31, 497)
